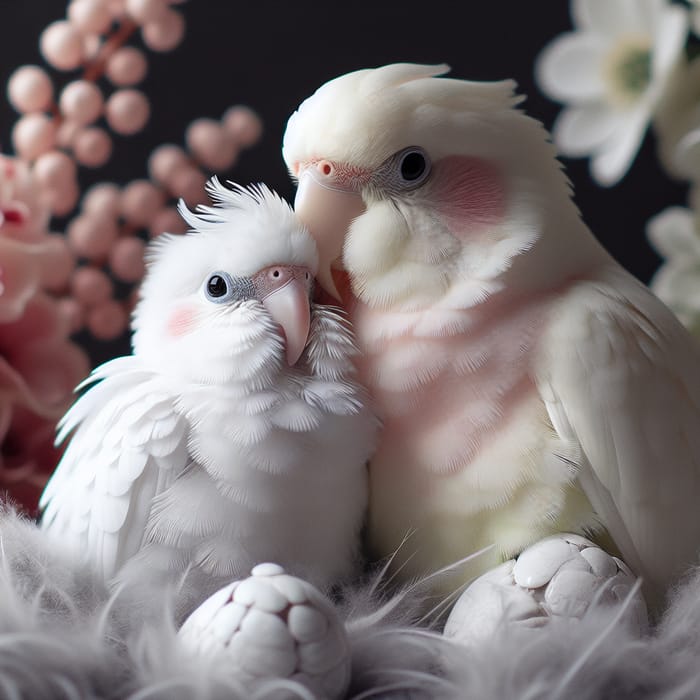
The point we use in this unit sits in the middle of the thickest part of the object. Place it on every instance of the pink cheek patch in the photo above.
(468, 193)
(182, 321)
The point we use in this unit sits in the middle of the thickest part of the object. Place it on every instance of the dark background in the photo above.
(271, 55)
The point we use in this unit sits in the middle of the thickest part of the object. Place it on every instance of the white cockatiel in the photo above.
(235, 433)
(527, 384)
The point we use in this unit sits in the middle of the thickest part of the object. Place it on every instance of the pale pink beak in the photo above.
(327, 207)
(284, 291)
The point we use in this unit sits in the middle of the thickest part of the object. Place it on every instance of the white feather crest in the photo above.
(403, 98)
(252, 226)
(231, 203)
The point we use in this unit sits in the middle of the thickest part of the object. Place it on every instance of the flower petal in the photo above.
(673, 235)
(670, 34)
(694, 197)
(615, 157)
(686, 156)
(649, 12)
(15, 390)
(40, 323)
(695, 21)
(52, 371)
(679, 288)
(580, 130)
(569, 68)
(19, 278)
(607, 17)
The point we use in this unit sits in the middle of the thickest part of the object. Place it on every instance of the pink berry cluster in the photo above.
(110, 232)
(55, 134)
(73, 260)
(60, 130)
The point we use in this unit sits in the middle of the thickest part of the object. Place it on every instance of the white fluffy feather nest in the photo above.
(63, 636)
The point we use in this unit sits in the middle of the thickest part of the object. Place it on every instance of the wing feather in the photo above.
(129, 444)
(621, 377)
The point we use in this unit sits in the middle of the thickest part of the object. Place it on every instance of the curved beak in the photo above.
(286, 299)
(327, 208)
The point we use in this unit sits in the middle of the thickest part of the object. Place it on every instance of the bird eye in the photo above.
(220, 288)
(216, 286)
(414, 166)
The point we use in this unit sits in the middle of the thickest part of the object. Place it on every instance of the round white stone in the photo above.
(267, 569)
(307, 624)
(488, 602)
(266, 629)
(200, 618)
(322, 656)
(576, 563)
(291, 588)
(242, 621)
(227, 621)
(259, 592)
(538, 563)
(601, 563)
(206, 644)
(265, 661)
(570, 592)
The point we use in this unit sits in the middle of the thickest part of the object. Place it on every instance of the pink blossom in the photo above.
(39, 364)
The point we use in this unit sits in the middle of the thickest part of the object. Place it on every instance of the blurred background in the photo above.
(271, 55)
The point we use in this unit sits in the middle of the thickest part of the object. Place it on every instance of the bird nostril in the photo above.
(275, 273)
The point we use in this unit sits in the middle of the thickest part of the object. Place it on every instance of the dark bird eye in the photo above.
(413, 166)
(216, 287)
(221, 288)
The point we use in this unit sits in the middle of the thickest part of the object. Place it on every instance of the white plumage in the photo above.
(527, 384)
(210, 449)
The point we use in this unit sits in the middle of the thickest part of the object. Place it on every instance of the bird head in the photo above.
(422, 189)
(229, 300)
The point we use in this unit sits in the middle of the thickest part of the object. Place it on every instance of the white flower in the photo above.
(677, 122)
(675, 234)
(695, 16)
(686, 155)
(612, 71)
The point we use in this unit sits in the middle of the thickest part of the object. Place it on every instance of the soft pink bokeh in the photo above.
(55, 284)
(39, 364)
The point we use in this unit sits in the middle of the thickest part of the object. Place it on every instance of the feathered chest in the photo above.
(275, 418)
(446, 382)
(233, 432)
(268, 466)
(467, 456)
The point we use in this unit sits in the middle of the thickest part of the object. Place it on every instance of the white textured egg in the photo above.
(560, 576)
(273, 626)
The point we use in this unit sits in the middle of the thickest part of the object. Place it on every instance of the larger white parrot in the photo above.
(527, 384)
(236, 432)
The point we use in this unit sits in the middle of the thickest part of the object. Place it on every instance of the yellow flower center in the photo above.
(628, 69)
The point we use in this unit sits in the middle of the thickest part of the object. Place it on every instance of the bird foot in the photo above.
(273, 628)
(562, 576)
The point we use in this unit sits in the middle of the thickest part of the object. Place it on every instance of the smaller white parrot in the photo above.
(235, 433)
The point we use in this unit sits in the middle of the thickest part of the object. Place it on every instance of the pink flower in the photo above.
(39, 364)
